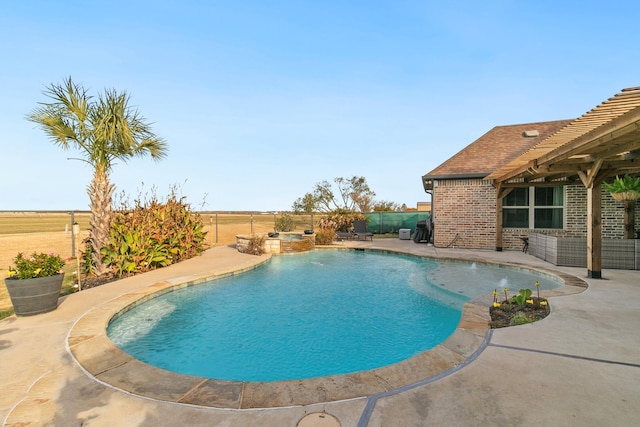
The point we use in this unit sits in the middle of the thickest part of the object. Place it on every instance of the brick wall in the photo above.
(464, 213)
(576, 211)
(464, 216)
(613, 217)
(612, 214)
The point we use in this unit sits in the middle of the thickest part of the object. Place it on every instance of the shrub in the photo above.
(36, 265)
(86, 259)
(255, 245)
(153, 235)
(325, 236)
(336, 221)
(285, 223)
(343, 220)
(326, 231)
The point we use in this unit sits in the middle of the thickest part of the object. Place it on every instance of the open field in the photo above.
(51, 232)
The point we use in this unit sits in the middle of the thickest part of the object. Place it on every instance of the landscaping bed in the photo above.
(511, 313)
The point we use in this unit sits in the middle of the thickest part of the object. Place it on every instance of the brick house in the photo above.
(464, 202)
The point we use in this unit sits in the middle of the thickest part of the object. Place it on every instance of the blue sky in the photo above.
(260, 100)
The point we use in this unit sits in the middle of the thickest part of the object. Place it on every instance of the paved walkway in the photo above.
(578, 367)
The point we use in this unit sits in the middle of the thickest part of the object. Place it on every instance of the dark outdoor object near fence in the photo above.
(424, 230)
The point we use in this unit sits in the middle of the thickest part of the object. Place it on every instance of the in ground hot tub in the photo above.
(278, 243)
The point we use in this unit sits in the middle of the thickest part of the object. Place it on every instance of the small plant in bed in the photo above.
(520, 309)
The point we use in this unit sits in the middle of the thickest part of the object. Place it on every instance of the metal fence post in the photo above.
(73, 233)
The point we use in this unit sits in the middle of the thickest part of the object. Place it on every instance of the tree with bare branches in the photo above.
(353, 195)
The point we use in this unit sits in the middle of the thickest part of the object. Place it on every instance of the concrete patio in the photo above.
(579, 366)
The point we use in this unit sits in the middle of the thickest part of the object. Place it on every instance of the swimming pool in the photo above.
(316, 314)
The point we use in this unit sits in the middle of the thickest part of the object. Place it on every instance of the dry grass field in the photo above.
(51, 232)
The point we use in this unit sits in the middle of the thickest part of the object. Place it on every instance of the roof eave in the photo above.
(456, 176)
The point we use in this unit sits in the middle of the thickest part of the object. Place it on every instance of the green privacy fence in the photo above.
(391, 222)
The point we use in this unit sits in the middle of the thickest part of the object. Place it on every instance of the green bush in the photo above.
(153, 235)
(86, 259)
(285, 223)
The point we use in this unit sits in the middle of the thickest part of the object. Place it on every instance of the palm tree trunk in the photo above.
(100, 192)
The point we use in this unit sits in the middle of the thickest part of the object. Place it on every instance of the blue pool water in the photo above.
(309, 315)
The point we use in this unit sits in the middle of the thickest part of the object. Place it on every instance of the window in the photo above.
(546, 211)
(515, 211)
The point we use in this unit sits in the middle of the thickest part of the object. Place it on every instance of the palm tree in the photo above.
(104, 130)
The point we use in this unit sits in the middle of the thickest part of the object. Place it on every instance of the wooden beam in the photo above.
(589, 177)
(527, 184)
(624, 151)
(503, 191)
(627, 123)
(618, 127)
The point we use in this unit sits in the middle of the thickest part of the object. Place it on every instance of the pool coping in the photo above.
(89, 345)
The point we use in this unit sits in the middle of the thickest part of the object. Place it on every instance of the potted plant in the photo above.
(34, 283)
(626, 190)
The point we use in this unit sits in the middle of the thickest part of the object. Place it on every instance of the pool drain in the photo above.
(319, 419)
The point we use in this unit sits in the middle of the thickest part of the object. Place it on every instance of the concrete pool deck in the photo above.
(579, 366)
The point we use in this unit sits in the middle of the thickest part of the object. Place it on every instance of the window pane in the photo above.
(548, 218)
(548, 196)
(515, 218)
(517, 197)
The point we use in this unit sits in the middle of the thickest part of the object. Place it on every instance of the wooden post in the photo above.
(211, 229)
(499, 199)
(594, 231)
(501, 193)
(629, 219)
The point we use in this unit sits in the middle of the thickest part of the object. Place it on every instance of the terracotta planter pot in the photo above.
(34, 296)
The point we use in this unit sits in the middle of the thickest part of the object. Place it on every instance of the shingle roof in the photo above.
(604, 132)
(496, 148)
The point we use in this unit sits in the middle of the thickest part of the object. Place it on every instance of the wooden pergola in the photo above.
(602, 143)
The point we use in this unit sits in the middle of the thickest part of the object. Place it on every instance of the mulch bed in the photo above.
(93, 281)
(510, 314)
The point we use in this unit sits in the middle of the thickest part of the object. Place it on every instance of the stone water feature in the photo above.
(280, 243)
